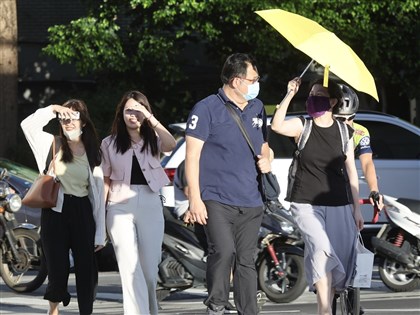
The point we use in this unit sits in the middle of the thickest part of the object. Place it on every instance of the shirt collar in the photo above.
(223, 98)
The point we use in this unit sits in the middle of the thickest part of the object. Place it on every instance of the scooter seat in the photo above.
(412, 204)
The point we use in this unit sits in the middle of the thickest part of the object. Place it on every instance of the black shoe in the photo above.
(66, 300)
(230, 307)
(361, 311)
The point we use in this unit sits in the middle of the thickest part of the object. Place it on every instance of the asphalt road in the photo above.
(376, 300)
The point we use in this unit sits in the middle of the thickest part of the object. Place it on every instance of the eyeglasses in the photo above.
(345, 118)
(252, 80)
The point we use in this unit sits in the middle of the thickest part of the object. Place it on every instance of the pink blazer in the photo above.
(117, 167)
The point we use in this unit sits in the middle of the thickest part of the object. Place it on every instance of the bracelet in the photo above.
(278, 106)
(158, 122)
(148, 118)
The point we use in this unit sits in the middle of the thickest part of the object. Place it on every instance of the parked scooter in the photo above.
(21, 263)
(280, 263)
(279, 259)
(183, 262)
(398, 245)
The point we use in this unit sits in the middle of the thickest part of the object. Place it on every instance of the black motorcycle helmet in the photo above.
(349, 104)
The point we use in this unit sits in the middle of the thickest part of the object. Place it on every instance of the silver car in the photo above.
(396, 153)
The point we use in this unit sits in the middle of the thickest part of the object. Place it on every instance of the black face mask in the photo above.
(317, 105)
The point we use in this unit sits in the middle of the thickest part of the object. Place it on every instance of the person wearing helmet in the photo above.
(346, 111)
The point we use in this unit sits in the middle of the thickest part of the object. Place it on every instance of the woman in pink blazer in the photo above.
(133, 177)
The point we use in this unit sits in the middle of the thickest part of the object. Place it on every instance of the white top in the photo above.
(40, 143)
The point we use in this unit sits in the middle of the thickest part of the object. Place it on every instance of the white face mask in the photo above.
(73, 134)
(253, 90)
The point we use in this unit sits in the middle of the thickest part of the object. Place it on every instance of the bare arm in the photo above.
(192, 170)
(167, 140)
(186, 191)
(271, 155)
(291, 127)
(354, 185)
(369, 171)
(370, 174)
(264, 160)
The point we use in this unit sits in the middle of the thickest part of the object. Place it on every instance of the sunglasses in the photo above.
(345, 118)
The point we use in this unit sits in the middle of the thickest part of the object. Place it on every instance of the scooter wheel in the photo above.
(395, 277)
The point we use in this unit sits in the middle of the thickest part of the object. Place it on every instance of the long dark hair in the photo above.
(89, 136)
(119, 129)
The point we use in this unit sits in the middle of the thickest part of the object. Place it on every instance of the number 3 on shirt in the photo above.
(193, 123)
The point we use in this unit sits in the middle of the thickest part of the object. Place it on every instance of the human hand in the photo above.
(98, 248)
(376, 199)
(264, 164)
(198, 212)
(138, 109)
(187, 218)
(293, 86)
(65, 113)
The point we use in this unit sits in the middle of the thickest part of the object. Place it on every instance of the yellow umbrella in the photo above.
(324, 47)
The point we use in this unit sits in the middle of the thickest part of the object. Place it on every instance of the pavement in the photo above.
(376, 300)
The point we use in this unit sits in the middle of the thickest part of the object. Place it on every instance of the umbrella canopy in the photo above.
(324, 47)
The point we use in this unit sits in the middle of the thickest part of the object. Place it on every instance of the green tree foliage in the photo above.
(173, 50)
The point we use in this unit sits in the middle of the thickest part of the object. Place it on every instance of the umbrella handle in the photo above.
(306, 69)
(300, 77)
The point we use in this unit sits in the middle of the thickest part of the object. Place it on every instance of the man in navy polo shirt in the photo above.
(223, 186)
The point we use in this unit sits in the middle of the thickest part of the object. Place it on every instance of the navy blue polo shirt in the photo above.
(228, 170)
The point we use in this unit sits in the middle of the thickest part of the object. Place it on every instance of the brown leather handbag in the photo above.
(44, 190)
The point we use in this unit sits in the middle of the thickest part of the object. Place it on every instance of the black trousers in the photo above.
(73, 228)
(232, 235)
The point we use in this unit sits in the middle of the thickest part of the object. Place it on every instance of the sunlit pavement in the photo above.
(376, 300)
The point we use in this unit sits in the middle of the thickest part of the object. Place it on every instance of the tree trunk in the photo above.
(8, 77)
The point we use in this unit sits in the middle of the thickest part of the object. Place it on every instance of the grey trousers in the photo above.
(330, 236)
(232, 234)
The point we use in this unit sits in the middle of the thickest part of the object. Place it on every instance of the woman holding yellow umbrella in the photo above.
(326, 212)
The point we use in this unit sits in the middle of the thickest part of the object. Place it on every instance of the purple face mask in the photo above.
(317, 105)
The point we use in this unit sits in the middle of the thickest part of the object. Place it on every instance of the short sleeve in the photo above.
(198, 123)
(362, 141)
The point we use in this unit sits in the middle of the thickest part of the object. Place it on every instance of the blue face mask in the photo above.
(253, 90)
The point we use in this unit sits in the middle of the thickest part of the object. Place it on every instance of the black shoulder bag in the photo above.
(269, 186)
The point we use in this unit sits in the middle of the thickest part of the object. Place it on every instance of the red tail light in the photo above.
(170, 172)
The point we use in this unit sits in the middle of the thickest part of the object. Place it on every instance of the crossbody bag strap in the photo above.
(304, 136)
(241, 126)
(344, 134)
(238, 121)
